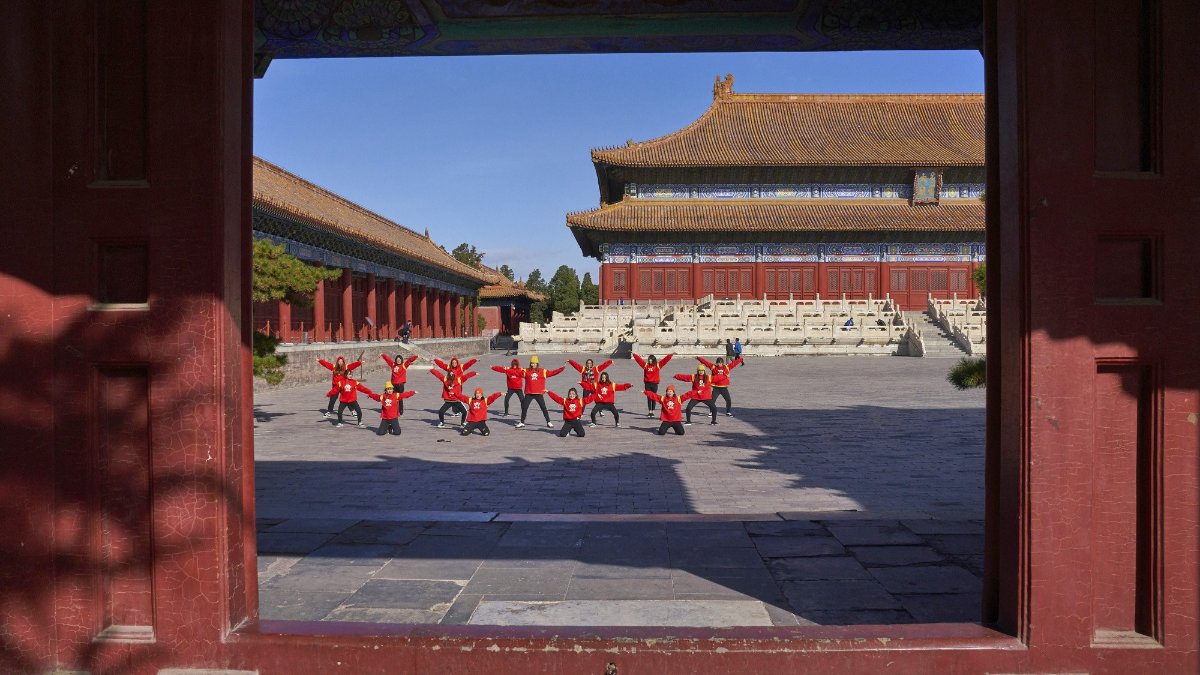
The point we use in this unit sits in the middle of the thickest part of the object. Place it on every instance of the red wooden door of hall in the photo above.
(128, 472)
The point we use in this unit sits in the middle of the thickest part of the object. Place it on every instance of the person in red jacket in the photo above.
(572, 411)
(477, 412)
(340, 369)
(652, 370)
(454, 366)
(515, 375)
(535, 386)
(589, 372)
(720, 380)
(347, 390)
(605, 391)
(389, 414)
(399, 376)
(672, 409)
(451, 390)
(701, 392)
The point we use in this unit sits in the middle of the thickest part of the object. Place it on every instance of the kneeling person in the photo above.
(477, 412)
(671, 416)
(389, 414)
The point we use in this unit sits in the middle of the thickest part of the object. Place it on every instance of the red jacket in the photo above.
(391, 403)
(606, 392)
(477, 407)
(349, 388)
(573, 408)
(701, 386)
(720, 374)
(651, 374)
(671, 406)
(399, 370)
(535, 379)
(516, 376)
(462, 366)
(349, 367)
(451, 384)
(593, 375)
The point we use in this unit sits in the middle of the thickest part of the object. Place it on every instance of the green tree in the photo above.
(564, 290)
(968, 373)
(539, 309)
(508, 273)
(278, 275)
(589, 292)
(468, 255)
(979, 275)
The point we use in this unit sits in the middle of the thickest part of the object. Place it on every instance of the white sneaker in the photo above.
(520, 424)
(592, 425)
(601, 413)
(550, 424)
(327, 414)
(441, 425)
(713, 422)
(363, 426)
(729, 414)
(687, 424)
(650, 414)
(617, 425)
(338, 425)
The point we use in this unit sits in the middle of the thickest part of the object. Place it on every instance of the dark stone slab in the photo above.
(791, 528)
(466, 529)
(379, 532)
(383, 615)
(936, 526)
(889, 556)
(824, 568)
(957, 544)
(519, 582)
(300, 543)
(303, 576)
(538, 558)
(429, 568)
(618, 571)
(725, 584)
(405, 594)
(944, 608)
(555, 535)
(462, 608)
(927, 579)
(716, 557)
(873, 535)
(371, 555)
(314, 525)
(808, 596)
(583, 588)
(298, 605)
(868, 617)
(446, 547)
(792, 547)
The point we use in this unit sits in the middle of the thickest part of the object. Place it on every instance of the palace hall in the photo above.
(390, 274)
(795, 195)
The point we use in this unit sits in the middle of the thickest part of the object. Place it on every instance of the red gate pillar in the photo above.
(372, 310)
(421, 320)
(390, 301)
(318, 327)
(347, 288)
(285, 321)
(454, 307)
(406, 304)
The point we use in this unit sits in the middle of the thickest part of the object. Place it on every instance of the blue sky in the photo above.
(495, 150)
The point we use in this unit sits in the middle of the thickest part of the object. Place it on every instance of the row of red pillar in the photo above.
(434, 313)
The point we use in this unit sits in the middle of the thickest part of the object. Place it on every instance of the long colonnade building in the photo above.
(791, 195)
(390, 274)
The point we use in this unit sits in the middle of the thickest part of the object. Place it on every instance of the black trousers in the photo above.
(610, 407)
(391, 426)
(722, 392)
(677, 426)
(353, 405)
(569, 426)
(472, 426)
(399, 387)
(541, 401)
(651, 387)
(694, 402)
(332, 399)
(452, 405)
(520, 399)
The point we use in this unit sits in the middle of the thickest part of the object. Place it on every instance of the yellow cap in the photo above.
(700, 367)
(388, 385)
(533, 359)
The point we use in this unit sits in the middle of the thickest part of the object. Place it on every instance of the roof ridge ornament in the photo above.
(723, 88)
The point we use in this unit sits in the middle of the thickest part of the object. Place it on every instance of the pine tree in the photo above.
(564, 290)
(507, 272)
(589, 292)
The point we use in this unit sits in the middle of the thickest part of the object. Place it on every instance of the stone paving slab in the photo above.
(675, 613)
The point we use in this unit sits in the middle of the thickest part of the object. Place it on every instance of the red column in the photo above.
(448, 314)
(390, 301)
(318, 328)
(455, 309)
(347, 286)
(473, 328)
(372, 311)
(421, 320)
(438, 303)
(285, 321)
(406, 303)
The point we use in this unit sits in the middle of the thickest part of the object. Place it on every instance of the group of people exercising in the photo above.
(529, 385)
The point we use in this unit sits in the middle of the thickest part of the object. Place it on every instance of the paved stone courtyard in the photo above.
(842, 490)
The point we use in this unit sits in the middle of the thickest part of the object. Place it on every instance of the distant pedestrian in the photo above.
(514, 375)
(392, 407)
(701, 393)
(651, 375)
(573, 407)
(672, 409)
(406, 331)
(477, 413)
(737, 348)
(347, 393)
(729, 349)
